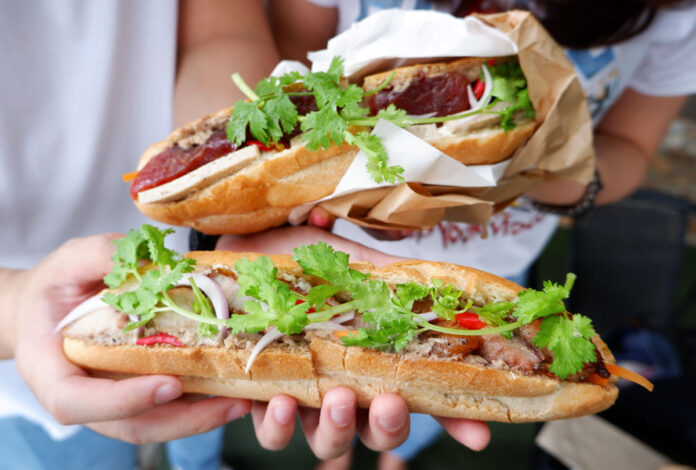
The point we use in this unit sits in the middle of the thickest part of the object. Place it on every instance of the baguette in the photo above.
(307, 365)
(248, 192)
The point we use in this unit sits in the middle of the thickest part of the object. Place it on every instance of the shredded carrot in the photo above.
(597, 379)
(129, 176)
(629, 375)
(342, 333)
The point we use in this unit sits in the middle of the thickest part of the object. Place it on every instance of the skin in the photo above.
(625, 140)
(138, 410)
(386, 424)
(215, 38)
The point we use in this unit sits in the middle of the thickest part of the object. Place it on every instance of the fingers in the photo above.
(284, 240)
(321, 218)
(274, 422)
(387, 424)
(388, 235)
(474, 434)
(330, 431)
(177, 419)
(107, 400)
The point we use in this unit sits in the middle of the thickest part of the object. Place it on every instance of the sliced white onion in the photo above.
(88, 306)
(325, 325)
(271, 335)
(214, 292)
(489, 87)
(428, 316)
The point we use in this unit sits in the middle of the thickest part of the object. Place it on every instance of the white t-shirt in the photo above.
(86, 87)
(661, 61)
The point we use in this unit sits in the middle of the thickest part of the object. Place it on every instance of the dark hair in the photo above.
(582, 23)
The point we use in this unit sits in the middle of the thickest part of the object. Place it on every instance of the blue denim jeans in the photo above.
(26, 446)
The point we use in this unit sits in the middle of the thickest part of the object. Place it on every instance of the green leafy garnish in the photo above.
(510, 86)
(387, 310)
(258, 280)
(270, 114)
(569, 341)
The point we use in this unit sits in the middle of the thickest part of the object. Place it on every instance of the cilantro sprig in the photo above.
(166, 267)
(142, 259)
(269, 113)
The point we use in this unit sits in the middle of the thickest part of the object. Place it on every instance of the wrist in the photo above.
(10, 288)
(580, 206)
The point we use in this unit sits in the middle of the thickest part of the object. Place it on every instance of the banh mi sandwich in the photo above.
(244, 168)
(452, 341)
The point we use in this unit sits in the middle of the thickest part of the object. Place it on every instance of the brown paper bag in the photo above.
(561, 146)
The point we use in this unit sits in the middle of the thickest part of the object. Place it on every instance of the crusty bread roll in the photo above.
(306, 366)
(255, 192)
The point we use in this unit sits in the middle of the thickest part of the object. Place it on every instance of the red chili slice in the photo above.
(300, 301)
(160, 338)
(263, 147)
(470, 321)
(479, 88)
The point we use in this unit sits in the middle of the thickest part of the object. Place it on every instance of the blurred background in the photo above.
(636, 267)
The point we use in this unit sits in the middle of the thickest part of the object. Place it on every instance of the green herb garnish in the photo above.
(270, 113)
(387, 310)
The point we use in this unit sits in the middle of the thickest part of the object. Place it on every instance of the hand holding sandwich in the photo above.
(386, 425)
(153, 408)
(138, 410)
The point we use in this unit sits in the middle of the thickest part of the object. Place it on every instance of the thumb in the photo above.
(82, 260)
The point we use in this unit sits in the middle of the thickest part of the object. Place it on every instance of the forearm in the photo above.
(621, 167)
(216, 39)
(10, 282)
(203, 84)
(625, 142)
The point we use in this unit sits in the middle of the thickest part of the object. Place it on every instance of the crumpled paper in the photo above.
(438, 187)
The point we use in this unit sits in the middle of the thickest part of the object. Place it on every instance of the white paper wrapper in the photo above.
(373, 44)
(436, 186)
(391, 37)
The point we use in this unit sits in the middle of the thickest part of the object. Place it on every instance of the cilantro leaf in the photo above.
(321, 260)
(495, 313)
(377, 158)
(534, 304)
(322, 128)
(278, 304)
(569, 341)
(385, 338)
(445, 299)
(406, 294)
(247, 114)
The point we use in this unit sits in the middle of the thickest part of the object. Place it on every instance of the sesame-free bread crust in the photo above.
(261, 194)
(307, 368)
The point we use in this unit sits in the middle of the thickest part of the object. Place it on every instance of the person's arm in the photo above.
(217, 38)
(137, 410)
(300, 26)
(10, 282)
(626, 140)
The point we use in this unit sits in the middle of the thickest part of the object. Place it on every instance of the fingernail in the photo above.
(392, 422)
(320, 220)
(166, 393)
(283, 414)
(342, 415)
(236, 412)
